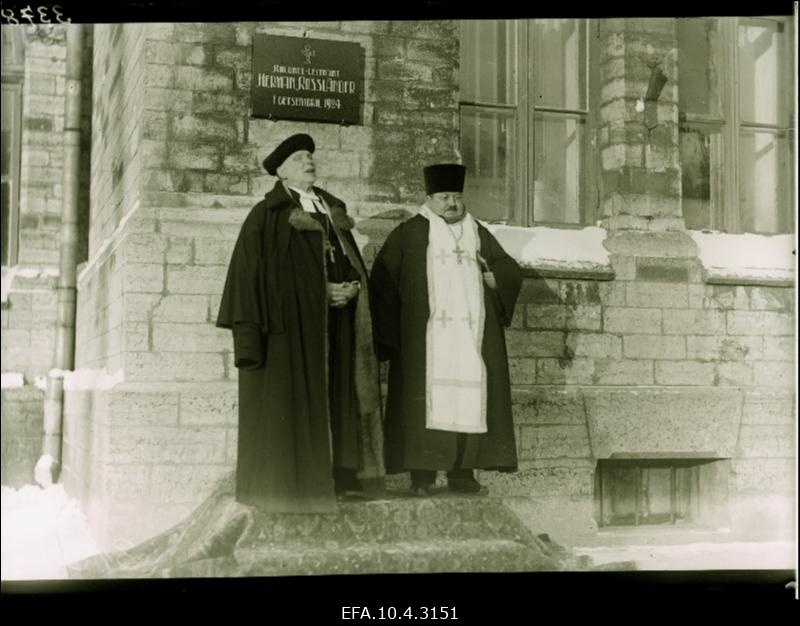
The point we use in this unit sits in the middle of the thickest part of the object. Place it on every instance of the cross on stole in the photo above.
(444, 319)
(469, 319)
(442, 256)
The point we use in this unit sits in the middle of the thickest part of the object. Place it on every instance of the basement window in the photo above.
(638, 492)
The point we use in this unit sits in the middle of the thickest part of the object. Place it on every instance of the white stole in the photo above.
(455, 374)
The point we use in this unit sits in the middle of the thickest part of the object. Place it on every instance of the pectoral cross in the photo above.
(458, 252)
(329, 250)
(443, 318)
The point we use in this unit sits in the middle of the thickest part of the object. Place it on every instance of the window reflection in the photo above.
(557, 166)
(735, 105)
(487, 150)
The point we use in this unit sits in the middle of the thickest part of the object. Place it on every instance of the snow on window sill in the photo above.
(746, 259)
(551, 252)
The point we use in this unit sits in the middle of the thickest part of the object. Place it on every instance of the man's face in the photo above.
(298, 170)
(449, 205)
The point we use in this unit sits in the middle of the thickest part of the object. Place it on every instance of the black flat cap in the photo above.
(444, 177)
(286, 149)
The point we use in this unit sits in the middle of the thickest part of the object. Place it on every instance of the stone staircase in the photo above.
(395, 534)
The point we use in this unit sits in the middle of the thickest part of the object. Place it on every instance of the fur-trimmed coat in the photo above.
(275, 302)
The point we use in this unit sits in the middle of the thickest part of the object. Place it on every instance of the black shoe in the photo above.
(351, 496)
(464, 485)
(346, 484)
(421, 491)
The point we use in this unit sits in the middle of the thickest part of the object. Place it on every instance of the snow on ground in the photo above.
(700, 556)
(43, 530)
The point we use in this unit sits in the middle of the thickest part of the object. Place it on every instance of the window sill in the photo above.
(599, 272)
(550, 252)
(10, 273)
(746, 259)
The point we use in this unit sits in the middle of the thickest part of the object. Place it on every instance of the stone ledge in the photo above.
(720, 277)
(577, 272)
(438, 534)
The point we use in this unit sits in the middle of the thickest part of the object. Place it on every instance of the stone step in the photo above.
(446, 556)
(445, 532)
(397, 519)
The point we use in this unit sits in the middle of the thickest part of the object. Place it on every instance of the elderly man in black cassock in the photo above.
(296, 299)
(443, 289)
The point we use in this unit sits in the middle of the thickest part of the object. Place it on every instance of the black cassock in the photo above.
(399, 291)
(308, 380)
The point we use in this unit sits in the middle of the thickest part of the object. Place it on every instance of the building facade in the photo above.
(641, 171)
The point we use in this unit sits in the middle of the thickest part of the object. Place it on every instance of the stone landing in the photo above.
(396, 534)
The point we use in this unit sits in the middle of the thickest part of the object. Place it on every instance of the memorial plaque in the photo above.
(313, 80)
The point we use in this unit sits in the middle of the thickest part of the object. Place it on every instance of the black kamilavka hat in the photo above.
(444, 177)
(286, 149)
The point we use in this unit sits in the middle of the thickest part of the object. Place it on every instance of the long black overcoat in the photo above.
(275, 302)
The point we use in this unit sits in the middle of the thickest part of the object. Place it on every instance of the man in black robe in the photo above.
(443, 289)
(296, 300)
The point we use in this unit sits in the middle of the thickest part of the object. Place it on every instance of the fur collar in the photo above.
(301, 220)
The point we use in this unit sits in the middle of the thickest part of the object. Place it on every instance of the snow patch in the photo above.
(85, 379)
(105, 247)
(567, 248)
(43, 472)
(12, 380)
(43, 530)
(746, 255)
(699, 556)
(10, 273)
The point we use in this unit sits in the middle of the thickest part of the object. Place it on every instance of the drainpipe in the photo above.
(48, 468)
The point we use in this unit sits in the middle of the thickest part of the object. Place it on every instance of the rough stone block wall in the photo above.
(42, 153)
(29, 313)
(656, 361)
(640, 177)
(118, 126)
(180, 119)
(22, 434)
(116, 154)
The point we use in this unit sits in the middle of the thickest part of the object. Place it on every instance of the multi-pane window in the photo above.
(525, 118)
(633, 492)
(736, 107)
(11, 127)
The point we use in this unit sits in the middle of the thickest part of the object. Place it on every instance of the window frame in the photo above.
(523, 210)
(727, 216)
(13, 177)
(12, 79)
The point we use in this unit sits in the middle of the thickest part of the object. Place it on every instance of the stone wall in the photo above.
(668, 365)
(160, 244)
(639, 157)
(22, 434)
(657, 360)
(29, 312)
